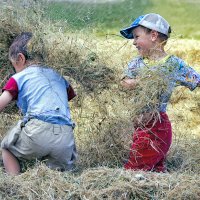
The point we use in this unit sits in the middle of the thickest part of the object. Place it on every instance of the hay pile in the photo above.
(103, 112)
(99, 183)
(67, 53)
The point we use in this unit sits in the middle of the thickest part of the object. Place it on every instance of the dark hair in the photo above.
(19, 45)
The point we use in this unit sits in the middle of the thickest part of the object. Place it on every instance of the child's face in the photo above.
(143, 41)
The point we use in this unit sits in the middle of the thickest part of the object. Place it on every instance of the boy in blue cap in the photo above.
(151, 142)
(46, 131)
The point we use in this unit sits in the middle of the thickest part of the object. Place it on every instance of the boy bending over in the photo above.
(46, 130)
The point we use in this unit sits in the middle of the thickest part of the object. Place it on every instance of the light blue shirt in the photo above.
(42, 94)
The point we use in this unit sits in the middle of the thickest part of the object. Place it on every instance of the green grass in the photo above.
(183, 15)
(99, 18)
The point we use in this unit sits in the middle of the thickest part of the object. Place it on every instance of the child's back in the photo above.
(43, 95)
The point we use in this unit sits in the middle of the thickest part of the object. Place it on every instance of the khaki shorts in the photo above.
(41, 140)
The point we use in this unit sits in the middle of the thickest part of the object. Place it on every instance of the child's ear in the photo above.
(21, 58)
(154, 35)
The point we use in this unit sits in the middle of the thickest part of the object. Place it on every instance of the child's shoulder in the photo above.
(37, 71)
(174, 58)
(137, 58)
(136, 62)
(175, 61)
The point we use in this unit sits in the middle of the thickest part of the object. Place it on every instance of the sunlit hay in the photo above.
(103, 130)
(184, 111)
(77, 57)
(189, 50)
(137, 185)
(184, 155)
(106, 145)
(184, 115)
(99, 183)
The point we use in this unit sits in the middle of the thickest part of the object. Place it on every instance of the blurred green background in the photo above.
(110, 17)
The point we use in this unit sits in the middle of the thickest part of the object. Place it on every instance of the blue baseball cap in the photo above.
(152, 21)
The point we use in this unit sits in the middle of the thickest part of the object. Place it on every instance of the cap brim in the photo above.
(127, 32)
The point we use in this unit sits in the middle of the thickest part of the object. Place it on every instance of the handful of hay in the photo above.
(147, 97)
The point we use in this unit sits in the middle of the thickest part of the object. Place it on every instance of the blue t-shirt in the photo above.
(173, 69)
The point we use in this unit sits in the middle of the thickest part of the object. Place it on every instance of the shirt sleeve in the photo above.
(70, 92)
(187, 76)
(132, 69)
(11, 86)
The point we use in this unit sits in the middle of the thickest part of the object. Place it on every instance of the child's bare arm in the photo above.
(129, 83)
(5, 99)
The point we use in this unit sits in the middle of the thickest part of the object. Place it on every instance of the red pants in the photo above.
(150, 146)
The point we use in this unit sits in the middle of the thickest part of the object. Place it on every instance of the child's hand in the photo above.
(129, 83)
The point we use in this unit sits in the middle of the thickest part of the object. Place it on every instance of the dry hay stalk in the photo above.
(99, 183)
(78, 58)
(15, 18)
(184, 155)
(186, 49)
(103, 130)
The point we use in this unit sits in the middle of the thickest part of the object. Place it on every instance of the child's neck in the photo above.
(30, 63)
(157, 55)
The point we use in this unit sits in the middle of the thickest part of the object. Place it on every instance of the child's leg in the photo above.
(160, 166)
(150, 146)
(11, 163)
(143, 153)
